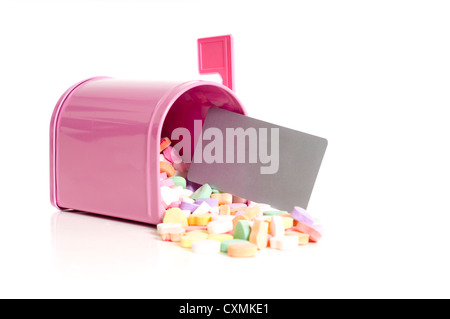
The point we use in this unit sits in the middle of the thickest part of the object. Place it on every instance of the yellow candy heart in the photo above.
(175, 215)
(220, 237)
(186, 241)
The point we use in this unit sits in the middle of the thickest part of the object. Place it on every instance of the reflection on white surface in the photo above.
(92, 245)
(92, 248)
(99, 244)
(119, 258)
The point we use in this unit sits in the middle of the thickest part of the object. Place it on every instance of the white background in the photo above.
(373, 77)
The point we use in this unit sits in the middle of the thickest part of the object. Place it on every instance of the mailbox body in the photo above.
(104, 141)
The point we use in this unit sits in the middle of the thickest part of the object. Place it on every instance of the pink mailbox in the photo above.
(105, 135)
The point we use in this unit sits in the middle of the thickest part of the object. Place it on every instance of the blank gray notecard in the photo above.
(256, 160)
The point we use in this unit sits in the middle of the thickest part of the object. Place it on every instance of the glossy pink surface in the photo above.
(215, 55)
(104, 141)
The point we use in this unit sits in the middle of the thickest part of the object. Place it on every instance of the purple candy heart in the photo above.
(301, 215)
(192, 186)
(188, 206)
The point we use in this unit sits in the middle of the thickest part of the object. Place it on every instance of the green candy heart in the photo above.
(242, 230)
(179, 181)
(204, 191)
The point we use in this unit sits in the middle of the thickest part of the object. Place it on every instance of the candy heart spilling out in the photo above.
(208, 221)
